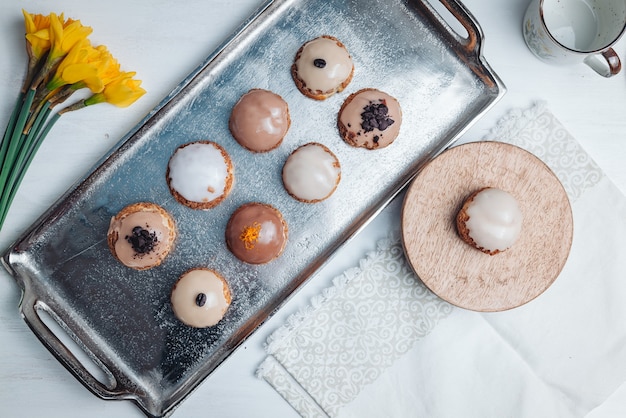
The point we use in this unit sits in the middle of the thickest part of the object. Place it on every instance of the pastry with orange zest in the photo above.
(256, 233)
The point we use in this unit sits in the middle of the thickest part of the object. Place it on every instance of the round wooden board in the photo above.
(463, 275)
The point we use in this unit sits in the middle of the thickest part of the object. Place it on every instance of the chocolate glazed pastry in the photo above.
(256, 233)
(259, 120)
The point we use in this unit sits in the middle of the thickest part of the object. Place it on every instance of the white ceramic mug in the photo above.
(575, 31)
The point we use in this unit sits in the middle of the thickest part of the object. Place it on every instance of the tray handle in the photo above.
(31, 310)
(472, 44)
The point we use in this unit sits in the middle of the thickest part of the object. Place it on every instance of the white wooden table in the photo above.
(164, 41)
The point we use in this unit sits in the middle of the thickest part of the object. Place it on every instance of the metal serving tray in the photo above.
(122, 318)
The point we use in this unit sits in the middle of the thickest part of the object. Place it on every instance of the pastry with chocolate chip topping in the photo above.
(141, 235)
(200, 298)
(322, 67)
(369, 119)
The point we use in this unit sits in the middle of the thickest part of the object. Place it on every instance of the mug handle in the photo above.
(606, 64)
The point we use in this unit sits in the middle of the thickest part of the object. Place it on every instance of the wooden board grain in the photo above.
(467, 277)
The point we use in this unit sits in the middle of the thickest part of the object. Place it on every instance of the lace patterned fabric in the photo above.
(374, 314)
(538, 131)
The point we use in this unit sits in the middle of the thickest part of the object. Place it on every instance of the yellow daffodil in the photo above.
(37, 34)
(122, 91)
(76, 67)
(108, 67)
(64, 35)
(35, 22)
(61, 60)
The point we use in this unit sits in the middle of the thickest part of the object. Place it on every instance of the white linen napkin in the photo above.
(379, 344)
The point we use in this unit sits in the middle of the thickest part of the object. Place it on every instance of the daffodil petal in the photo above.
(78, 72)
(29, 22)
(56, 37)
(122, 96)
(94, 84)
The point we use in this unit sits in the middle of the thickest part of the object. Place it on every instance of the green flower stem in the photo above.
(8, 132)
(34, 146)
(35, 111)
(27, 143)
(41, 118)
(52, 98)
(15, 139)
(34, 140)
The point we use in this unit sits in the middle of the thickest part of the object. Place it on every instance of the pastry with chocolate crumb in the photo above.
(141, 235)
(322, 67)
(369, 119)
(256, 233)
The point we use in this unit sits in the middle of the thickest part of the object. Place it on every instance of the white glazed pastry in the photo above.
(322, 67)
(200, 298)
(311, 173)
(200, 174)
(490, 220)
